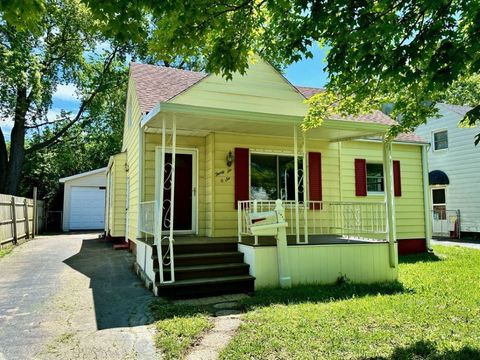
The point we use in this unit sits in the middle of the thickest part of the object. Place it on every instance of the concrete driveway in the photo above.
(72, 297)
(461, 243)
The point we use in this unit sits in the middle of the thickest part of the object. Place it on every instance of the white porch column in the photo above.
(426, 198)
(159, 190)
(295, 160)
(305, 188)
(172, 196)
(390, 202)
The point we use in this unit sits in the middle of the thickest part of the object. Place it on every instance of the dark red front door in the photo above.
(182, 215)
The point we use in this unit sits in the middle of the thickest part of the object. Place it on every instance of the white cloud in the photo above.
(65, 93)
(52, 114)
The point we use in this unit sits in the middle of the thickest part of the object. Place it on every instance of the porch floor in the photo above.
(270, 240)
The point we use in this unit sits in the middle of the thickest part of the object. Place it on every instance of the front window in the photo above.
(272, 177)
(440, 140)
(375, 183)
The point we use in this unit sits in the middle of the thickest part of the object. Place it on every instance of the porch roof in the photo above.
(202, 120)
(199, 119)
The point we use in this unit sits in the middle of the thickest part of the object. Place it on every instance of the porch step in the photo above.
(204, 258)
(207, 286)
(206, 271)
(200, 248)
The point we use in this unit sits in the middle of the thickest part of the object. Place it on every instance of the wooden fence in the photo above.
(20, 218)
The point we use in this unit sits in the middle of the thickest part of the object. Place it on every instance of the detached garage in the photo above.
(84, 201)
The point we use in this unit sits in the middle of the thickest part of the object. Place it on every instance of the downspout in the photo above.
(426, 198)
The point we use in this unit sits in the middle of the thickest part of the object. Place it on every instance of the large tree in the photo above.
(66, 46)
(404, 52)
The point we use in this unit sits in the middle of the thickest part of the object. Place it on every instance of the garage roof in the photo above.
(78, 176)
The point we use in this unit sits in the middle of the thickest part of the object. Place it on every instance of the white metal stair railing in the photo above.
(349, 219)
(164, 209)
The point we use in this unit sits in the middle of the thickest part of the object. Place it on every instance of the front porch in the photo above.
(326, 239)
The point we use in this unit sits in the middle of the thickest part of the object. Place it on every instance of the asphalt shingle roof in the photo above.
(156, 84)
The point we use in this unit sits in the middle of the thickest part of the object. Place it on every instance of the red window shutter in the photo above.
(397, 181)
(315, 178)
(360, 177)
(242, 175)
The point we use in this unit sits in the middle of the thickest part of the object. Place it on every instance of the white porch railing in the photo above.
(147, 217)
(363, 220)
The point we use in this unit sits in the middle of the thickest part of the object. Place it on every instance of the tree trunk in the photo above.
(17, 144)
(3, 162)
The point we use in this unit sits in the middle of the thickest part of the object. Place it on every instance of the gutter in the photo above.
(426, 197)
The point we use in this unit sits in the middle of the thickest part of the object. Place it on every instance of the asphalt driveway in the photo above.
(72, 297)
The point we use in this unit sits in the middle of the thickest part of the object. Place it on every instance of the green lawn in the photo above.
(5, 250)
(432, 313)
(178, 327)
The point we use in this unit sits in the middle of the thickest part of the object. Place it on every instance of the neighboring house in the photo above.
(84, 201)
(238, 146)
(453, 162)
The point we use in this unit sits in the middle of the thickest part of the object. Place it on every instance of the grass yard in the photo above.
(5, 250)
(178, 327)
(432, 313)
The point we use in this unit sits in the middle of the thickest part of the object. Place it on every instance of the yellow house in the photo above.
(204, 161)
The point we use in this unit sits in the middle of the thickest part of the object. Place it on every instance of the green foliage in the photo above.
(404, 52)
(432, 314)
(466, 91)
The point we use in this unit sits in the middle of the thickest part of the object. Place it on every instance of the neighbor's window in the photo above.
(375, 182)
(272, 177)
(439, 204)
(440, 140)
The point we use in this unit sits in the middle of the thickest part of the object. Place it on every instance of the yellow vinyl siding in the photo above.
(130, 146)
(408, 207)
(187, 142)
(116, 211)
(209, 184)
(262, 89)
(225, 217)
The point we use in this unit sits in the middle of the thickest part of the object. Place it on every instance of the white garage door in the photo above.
(87, 208)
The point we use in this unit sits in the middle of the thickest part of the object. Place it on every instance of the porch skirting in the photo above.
(321, 264)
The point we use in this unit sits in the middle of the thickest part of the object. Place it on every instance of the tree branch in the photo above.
(83, 106)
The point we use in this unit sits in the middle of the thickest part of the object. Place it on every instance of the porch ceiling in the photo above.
(201, 120)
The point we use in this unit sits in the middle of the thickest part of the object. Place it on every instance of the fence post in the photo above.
(14, 220)
(25, 212)
(34, 221)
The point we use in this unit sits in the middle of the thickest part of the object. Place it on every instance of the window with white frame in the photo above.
(272, 177)
(440, 140)
(439, 204)
(375, 182)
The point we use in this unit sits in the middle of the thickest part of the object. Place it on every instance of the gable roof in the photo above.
(156, 84)
(159, 83)
(84, 174)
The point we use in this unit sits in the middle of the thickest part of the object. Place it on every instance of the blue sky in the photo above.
(307, 72)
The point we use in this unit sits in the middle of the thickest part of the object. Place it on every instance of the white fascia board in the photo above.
(88, 173)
